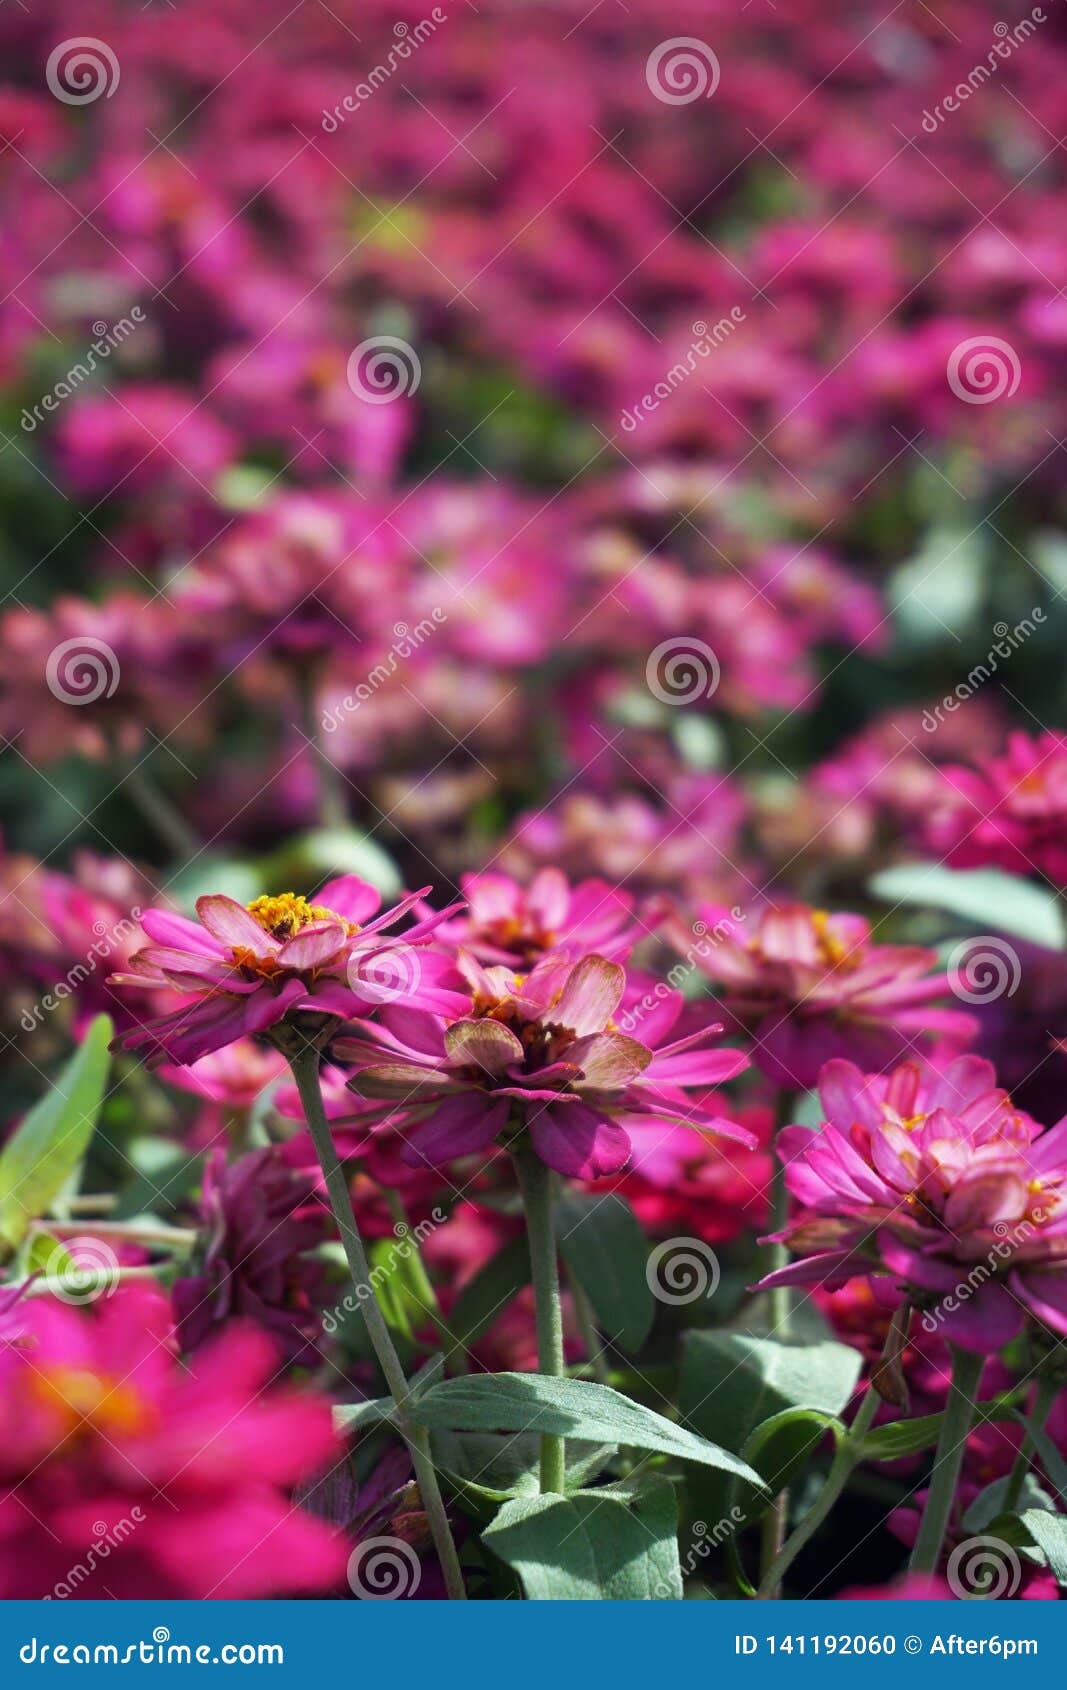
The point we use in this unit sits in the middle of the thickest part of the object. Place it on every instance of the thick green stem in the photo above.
(1045, 1394)
(845, 1458)
(780, 1297)
(535, 1186)
(955, 1425)
(305, 1068)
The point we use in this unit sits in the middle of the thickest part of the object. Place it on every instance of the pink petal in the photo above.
(485, 1044)
(314, 946)
(460, 1126)
(579, 1141)
(590, 996)
(348, 896)
(230, 923)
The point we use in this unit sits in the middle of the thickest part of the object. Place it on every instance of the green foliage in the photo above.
(618, 1544)
(607, 1252)
(47, 1148)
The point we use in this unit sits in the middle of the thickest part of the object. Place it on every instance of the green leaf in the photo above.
(989, 1502)
(529, 1402)
(47, 1147)
(492, 1288)
(618, 1544)
(779, 1449)
(1051, 1459)
(1049, 1532)
(487, 1468)
(985, 896)
(732, 1382)
(908, 1437)
(606, 1251)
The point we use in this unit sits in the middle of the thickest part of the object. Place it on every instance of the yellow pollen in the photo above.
(833, 949)
(287, 912)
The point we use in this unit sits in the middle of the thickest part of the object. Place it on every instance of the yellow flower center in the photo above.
(834, 950)
(83, 1399)
(287, 912)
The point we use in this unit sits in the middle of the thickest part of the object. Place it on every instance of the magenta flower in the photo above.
(258, 1228)
(938, 1181)
(538, 1054)
(188, 1472)
(514, 925)
(1010, 811)
(807, 986)
(244, 970)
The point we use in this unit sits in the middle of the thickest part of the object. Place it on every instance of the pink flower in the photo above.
(806, 986)
(936, 1180)
(540, 1053)
(1010, 811)
(185, 1475)
(244, 970)
(514, 925)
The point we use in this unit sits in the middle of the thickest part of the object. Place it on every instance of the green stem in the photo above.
(845, 1458)
(955, 1425)
(164, 816)
(780, 1297)
(1045, 1395)
(305, 1066)
(535, 1186)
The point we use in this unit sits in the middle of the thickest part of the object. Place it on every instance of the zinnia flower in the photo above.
(514, 925)
(808, 986)
(1010, 811)
(258, 1226)
(183, 1475)
(244, 970)
(938, 1181)
(540, 1053)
